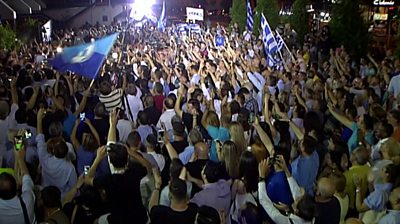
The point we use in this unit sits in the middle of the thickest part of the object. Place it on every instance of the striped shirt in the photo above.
(113, 100)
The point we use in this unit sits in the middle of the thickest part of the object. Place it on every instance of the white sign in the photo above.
(384, 2)
(380, 16)
(195, 14)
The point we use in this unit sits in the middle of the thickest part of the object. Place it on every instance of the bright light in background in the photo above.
(142, 8)
(59, 49)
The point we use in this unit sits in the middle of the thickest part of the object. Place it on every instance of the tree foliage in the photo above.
(299, 19)
(348, 27)
(7, 38)
(270, 8)
(238, 13)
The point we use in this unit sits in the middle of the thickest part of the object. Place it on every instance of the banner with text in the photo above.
(195, 14)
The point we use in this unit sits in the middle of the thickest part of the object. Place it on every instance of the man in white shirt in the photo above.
(167, 115)
(133, 102)
(12, 206)
(394, 90)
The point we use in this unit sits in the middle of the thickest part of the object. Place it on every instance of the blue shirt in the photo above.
(305, 170)
(278, 189)
(392, 217)
(55, 172)
(220, 133)
(85, 158)
(352, 143)
(379, 197)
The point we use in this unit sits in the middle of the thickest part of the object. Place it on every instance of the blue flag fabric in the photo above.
(219, 41)
(250, 20)
(160, 23)
(86, 59)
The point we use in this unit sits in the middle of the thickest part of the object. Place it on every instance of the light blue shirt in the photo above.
(220, 133)
(144, 131)
(379, 197)
(305, 170)
(11, 210)
(55, 172)
(186, 154)
(392, 217)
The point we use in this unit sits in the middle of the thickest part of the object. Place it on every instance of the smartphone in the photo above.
(82, 116)
(18, 142)
(86, 170)
(160, 136)
(252, 118)
(28, 134)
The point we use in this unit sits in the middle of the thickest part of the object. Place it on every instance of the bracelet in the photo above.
(358, 190)
(261, 179)
(157, 189)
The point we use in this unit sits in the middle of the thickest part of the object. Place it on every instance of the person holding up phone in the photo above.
(12, 206)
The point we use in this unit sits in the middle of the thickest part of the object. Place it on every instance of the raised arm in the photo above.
(342, 119)
(74, 140)
(14, 93)
(112, 136)
(264, 137)
(93, 130)
(32, 100)
(155, 196)
(82, 105)
(177, 108)
(101, 154)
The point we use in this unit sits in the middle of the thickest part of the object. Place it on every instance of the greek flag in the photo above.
(279, 41)
(182, 27)
(268, 37)
(195, 28)
(160, 23)
(85, 59)
(250, 20)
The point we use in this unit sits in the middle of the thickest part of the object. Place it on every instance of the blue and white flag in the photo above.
(161, 20)
(85, 59)
(268, 37)
(219, 41)
(250, 20)
(279, 41)
(182, 28)
(195, 28)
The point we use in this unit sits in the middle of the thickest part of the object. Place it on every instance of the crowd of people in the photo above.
(177, 130)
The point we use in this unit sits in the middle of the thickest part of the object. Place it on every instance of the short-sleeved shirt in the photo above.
(278, 189)
(305, 170)
(113, 100)
(377, 199)
(165, 215)
(123, 193)
(392, 217)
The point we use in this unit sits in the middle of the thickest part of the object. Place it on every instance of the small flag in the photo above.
(250, 20)
(161, 21)
(86, 59)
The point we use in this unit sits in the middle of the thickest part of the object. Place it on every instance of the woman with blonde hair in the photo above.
(229, 155)
(237, 136)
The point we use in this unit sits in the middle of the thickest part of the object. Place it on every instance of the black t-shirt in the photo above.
(123, 194)
(328, 212)
(153, 114)
(102, 126)
(179, 146)
(188, 122)
(195, 168)
(165, 215)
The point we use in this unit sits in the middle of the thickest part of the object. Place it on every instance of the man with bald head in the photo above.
(393, 213)
(200, 159)
(328, 206)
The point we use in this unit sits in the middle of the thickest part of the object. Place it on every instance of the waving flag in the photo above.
(161, 21)
(250, 20)
(86, 59)
(279, 41)
(268, 37)
(195, 28)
